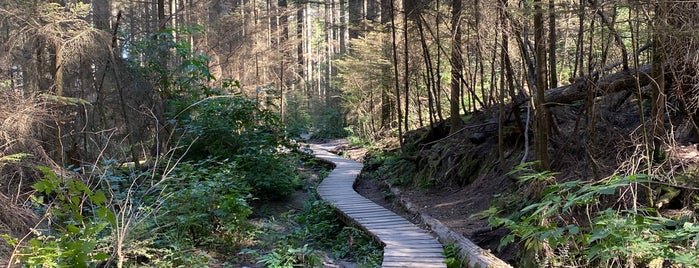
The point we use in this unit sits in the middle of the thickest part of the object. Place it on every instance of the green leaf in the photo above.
(101, 256)
(598, 233)
(506, 241)
(593, 252)
(9, 239)
(73, 229)
(42, 187)
(81, 187)
(573, 230)
(105, 213)
(607, 190)
(98, 198)
(14, 157)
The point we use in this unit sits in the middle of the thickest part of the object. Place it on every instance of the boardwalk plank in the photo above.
(406, 244)
(426, 253)
(406, 264)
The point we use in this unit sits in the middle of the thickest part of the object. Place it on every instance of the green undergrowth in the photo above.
(217, 152)
(592, 224)
(194, 214)
(454, 259)
(387, 165)
(308, 237)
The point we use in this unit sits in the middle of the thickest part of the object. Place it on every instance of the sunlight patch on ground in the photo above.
(447, 204)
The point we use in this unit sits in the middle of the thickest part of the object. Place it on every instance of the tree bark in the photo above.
(542, 124)
(395, 71)
(300, 62)
(553, 73)
(430, 73)
(456, 66)
(387, 104)
(355, 17)
(406, 66)
(101, 10)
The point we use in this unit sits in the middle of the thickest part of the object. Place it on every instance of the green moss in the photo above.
(468, 171)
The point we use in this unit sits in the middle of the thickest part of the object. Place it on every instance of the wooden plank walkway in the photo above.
(405, 245)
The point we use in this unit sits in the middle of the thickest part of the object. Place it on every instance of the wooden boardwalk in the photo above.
(405, 245)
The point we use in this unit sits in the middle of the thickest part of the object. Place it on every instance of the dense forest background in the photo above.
(604, 93)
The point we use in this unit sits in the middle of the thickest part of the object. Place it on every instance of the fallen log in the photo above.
(620, 81)
(472, 255)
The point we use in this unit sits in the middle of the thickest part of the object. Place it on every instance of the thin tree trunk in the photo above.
(406, 57)
(387, 105)
(300, 45)
(429, 75)
(395, 71)
(355, 18)
(542, 128)
(342, 33)
(577, 69)
(614, 33)
(553, 75)
(456, 66)
(438, 88)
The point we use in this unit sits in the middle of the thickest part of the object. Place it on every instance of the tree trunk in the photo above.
(300, 62)
(395, 71)
(456, 66)
(577, 69)
(437, 90)
(355, 17)
(342, 32)
(542, 124)
(430, 73)
(162, 51)
(101, 10)
(387, 105)
(406, 57)
(553, 74)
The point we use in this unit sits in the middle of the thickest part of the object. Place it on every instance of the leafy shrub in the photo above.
(612, 237)
(329, 124)
(207, 197)
(286, 256)
(271, 175)
(77, 218)
(229, 125)
(452, 252)
(318, 227)
(354, 244)
(235, 127)
(318, 222)
(297, 119)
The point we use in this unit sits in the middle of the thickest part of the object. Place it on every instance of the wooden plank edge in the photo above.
(474, 256)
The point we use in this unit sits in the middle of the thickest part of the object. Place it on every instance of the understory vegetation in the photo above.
(588, 224)
(312, 236)
(180, 182)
